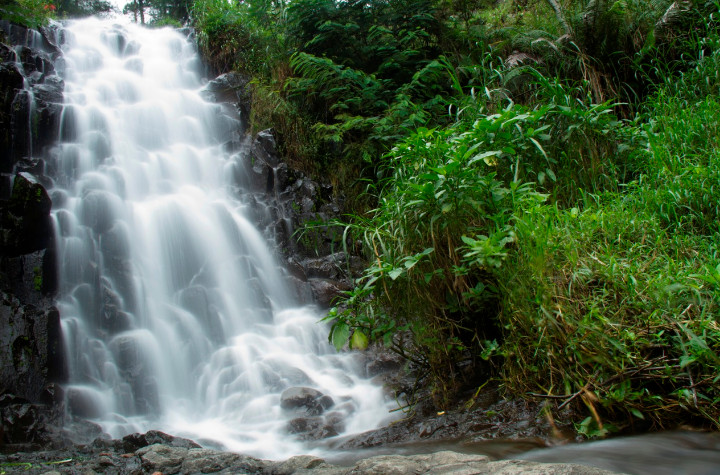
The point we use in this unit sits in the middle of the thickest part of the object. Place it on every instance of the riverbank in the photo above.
(175, 455)
(158, 453)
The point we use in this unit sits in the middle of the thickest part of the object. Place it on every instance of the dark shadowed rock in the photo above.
(133, 366)
(293, 464)
(326, 292)
(133, 442)
(11, 81)
(314, 428)
(25, 224)
(31, 352)
(305, 401)
(231, 88)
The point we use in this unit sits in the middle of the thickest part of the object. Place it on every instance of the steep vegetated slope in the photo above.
(535, 187)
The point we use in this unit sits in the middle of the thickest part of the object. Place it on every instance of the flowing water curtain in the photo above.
(175, 311)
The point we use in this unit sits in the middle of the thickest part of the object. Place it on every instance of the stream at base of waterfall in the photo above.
(175, 312)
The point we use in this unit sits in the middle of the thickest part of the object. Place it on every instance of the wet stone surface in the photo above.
(110, 457)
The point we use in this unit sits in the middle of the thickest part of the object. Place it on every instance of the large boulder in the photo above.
(305, 401)
(133, 365)
(133, 442)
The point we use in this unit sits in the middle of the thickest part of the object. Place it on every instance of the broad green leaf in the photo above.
(339, 336)
(359, 340)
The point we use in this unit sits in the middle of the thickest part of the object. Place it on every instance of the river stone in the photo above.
(162, 458)
(133, 442)
(213, 461)
(305, 401)
(447, 462)
(293, 464)
(311, 428)
(326, 292)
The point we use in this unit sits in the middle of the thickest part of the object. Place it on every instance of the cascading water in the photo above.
(175, 314)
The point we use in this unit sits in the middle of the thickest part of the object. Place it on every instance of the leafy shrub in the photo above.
(442, 226)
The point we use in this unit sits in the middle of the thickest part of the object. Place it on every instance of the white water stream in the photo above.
(175, 313)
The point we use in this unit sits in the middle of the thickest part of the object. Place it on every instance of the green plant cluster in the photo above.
(541, 181)
(448, 215)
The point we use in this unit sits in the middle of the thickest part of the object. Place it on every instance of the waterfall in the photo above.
(175, 313)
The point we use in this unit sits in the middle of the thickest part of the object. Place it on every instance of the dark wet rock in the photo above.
(305, 401)
(162, 458)
(68, 124)
(312, 428)
(285, 201)
(98, 210)
(35, 61)
(11, 81)
(22, 422)
(446, 462)
(83, 403)
(133, 442)
(41, 39)
(333, 266)
(25, 224)
(326, 292)
(293, 464)
(264, 149)
(170, 460)
(115, 248)
(19, 120)
(194, 299)
(487, 418)
(232, 89)
(31, 277)
(133, 366)
(211, 461)
(31, 351)
(112, 318)
(658, 454)
(46, 113)
(260, 165)
(383, 361)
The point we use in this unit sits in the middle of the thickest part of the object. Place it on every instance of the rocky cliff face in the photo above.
(31, 354)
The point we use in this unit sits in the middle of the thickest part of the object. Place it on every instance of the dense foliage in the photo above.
(535, 185)
(32, 13)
